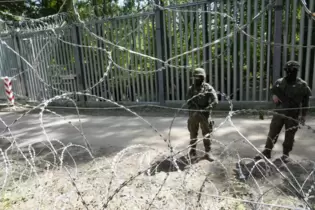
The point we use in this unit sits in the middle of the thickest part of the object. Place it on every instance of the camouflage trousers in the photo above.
(291, 127)
(195, 121)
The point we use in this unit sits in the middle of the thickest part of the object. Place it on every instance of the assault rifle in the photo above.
(285, 99)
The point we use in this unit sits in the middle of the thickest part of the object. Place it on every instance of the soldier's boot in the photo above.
(265, 152)
(285, 157)
(207, 145)
(192, 151)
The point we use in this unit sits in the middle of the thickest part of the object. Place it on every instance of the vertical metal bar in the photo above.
(235, 54)
(228, 52)
(140, 62)
(309, 42)
(85, 39)
(46, 53)
(132, 62)
(210, 48)
(103, 68)
(277, 41)
(79, 60)
(24, 43)
(154, 76)
(60, 66)
(301, 49)
(221, 52)
(292, 57)
(93, 60)
(38, 63)
(115, 70)
(5, 55)
(125, 55)
(35, 64)
(64, 63)
(197, 34)
(166, 46)
(159, 41)
(146, 51)
(136, 59)
(216, 49)
(32, 74)
(255, 56)
(114, 84)
(48, 60)
(262, 60)
(268, 53)
(285, 33)
(204, 33)
(248, 45)
(110, 67)
(71, 66)
(119, 58)
(176, 60)
(170, 54)
(241, 57)
(99, 61)
(187, 49)
(52, 69)
(89, 62)
(95, 72)
(68, 59)
(192, 36)
(17, 47)
(181, 41)
(151, 63)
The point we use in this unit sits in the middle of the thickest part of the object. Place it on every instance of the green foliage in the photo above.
(183, 31)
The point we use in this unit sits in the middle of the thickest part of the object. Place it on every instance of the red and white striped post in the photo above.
(8, 89)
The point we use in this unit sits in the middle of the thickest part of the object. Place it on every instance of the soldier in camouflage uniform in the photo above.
(289, 93)
(201, 96)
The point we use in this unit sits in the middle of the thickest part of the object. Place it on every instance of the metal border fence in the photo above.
(242, 45)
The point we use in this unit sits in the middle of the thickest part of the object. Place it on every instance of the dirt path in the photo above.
(125, 145)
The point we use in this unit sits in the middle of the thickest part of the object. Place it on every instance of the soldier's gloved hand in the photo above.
(276, 99)
(302, 120)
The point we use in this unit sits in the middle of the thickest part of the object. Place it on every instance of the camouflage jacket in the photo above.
(201, 98)
(292, 96)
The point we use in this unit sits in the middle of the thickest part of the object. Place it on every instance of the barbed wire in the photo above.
(121, 189)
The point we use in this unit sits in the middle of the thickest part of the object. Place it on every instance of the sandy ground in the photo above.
(124, 146)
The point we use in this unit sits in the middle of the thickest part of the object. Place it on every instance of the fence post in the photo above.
(278, 38)
(159, 50)
(78, 62)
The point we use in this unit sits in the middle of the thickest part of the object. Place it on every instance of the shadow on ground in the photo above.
(167, 164)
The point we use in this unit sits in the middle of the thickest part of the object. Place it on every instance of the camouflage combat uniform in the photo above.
(200, 96)
(292, 92)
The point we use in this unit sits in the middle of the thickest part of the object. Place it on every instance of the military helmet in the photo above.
(199, 72)
(292, 65)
